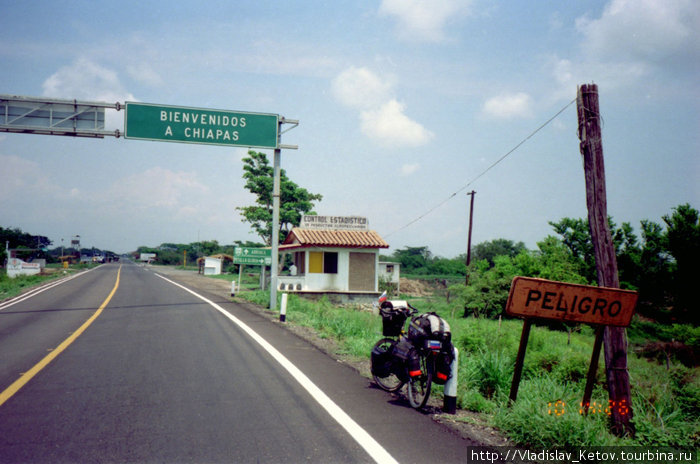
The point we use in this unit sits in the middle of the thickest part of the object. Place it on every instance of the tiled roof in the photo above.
(334, 238)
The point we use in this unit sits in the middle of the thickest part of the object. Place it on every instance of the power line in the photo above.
(485, 170)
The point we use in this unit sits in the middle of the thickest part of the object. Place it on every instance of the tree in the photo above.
(655, 268)
(683, 239)
(488, 288)
(18, 240)
(413, 259)
(294, 200)
(497, 247)
(553, 261)
(576, 236)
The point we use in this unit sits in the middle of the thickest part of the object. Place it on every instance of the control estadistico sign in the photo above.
(147, 121)
(546, 299)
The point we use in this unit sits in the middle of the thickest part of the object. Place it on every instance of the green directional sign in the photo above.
(147, 121)
(249, 255)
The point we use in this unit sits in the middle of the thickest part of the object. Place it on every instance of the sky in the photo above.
(403, 106)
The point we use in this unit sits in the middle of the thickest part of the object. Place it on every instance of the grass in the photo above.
(665, 401)
(10, 287)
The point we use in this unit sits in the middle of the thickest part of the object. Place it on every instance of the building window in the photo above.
(330, 262)
(321, 262)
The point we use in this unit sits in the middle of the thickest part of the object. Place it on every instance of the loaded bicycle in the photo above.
(417, 358)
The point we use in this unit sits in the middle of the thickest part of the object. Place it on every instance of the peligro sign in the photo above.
(546, 299)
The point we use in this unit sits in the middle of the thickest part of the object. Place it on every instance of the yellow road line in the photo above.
(27, 376)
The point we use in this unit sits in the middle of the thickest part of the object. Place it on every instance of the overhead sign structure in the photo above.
(160, 123)
(251, 255)
(52, 116)
(546, 299)
(146, 121)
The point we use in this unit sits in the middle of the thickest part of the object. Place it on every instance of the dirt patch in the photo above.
(415, 288)
(665, 351)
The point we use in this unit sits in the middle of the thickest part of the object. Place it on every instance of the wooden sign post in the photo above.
(615, 338)
(532, 298)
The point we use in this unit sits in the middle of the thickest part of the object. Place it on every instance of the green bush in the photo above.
(490, 372)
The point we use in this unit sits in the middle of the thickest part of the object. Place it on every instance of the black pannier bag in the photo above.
(443, 364)
(429, 326)
(407, 358)
(382, 361)
(393, 319)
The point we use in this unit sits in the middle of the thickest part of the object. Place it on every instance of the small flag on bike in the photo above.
(434, 344)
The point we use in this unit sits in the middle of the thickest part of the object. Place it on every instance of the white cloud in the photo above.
(517, 105)
(381, 116)
(423, 20)
(25, 186)
(360, 88)
(86, 80)
(644, 30)
(157, 188)
(408, 169)
(390, 126)
(15, 174)
(144, 72)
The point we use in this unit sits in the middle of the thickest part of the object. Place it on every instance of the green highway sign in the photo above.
(249, 255)
(147, 121)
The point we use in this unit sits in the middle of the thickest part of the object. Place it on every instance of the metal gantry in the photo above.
(52, 116)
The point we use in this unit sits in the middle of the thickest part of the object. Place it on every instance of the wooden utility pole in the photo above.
(469, 238)
(615, 339)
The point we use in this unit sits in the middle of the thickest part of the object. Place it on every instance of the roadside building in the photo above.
(335, 256)
(215, 264)
(390, 274)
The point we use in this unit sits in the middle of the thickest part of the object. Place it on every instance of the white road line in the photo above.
(364, 439)
(38, 290)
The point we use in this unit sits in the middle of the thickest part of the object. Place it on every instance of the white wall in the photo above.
(334, 282)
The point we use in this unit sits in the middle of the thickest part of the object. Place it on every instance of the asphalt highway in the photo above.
(121, 365)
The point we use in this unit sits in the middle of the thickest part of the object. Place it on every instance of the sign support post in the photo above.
(593, 368)
(615, 338)
(274, 265)
(520, 360)
(275, 224)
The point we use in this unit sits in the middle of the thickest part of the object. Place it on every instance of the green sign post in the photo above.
(249, 255)
(146, 121)
(255, 256)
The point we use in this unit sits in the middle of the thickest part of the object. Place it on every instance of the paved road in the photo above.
(160, 375)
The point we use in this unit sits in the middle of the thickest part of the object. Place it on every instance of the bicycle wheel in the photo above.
(391, 381)
(419, 387)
